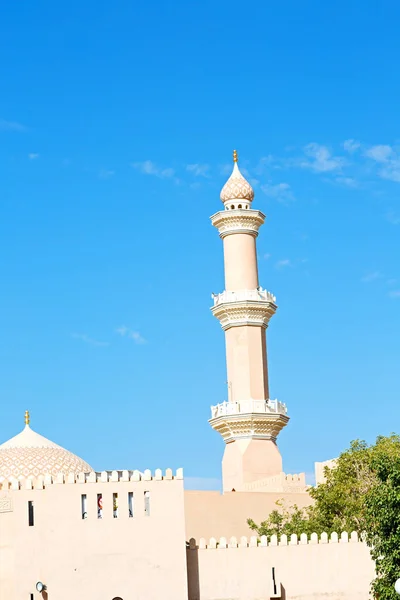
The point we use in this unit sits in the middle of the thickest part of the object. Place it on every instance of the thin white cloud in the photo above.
(320, 159)
(394, 294)
(167, 172)
(136, 337)
(347, 182)
(124, 331)
(351, 146)
(148, 167)
(388, 159)
(391, 170)
(106, 174)
(266, 256)
(88, 340)
(198, 170)
(280, 191)
(393, 218)
(265, 162)
(380, 153)
(225, 169)
(372, 276)
(33, 156)
(283, 263)
(11, 126)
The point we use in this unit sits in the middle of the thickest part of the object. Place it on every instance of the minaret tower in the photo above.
(248, 421)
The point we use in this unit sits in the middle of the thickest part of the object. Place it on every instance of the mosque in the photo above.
(67, 531)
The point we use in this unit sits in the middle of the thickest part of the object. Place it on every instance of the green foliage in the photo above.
(382, 515)
(361, 493)
(285, 520)
(340, 502)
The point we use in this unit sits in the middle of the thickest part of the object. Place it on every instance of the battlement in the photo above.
(284, 540)
(278, 483)
(316, 566)
(41, 483)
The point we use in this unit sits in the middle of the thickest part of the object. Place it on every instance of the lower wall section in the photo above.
(334, 571)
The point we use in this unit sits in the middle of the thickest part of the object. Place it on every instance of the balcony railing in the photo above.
(258, 295)
(248, 406)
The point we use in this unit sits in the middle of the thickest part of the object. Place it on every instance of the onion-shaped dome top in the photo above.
(237, 187)
(29, 454)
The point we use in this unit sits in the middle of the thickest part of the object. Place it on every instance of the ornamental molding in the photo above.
(244, 312)
(5, 505)
(21, 463)
(261, 426)
(239, 220)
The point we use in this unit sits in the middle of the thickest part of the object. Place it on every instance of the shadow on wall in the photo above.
(193, 575)
(192, 568)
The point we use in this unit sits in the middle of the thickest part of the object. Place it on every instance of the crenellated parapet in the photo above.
(224, 543)
(41, 483)
(283, 482)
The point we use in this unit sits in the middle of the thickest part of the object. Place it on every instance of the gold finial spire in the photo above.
(27, 417)
(235, 156)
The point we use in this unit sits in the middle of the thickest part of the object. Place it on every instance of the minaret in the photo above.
(248, 421)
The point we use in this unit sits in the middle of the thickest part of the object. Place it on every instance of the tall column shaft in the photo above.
(246, 360)
(240, 262)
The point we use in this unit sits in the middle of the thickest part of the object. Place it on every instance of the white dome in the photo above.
(237, 187)
(29, 454)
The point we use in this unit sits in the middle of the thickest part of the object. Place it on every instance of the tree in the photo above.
(286, 520)
(382, 516)
(361, 493)
(339, 503)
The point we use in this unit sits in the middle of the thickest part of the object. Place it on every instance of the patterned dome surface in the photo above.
(29, 454)
(237, 187)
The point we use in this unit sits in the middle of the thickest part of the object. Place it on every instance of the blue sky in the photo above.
(117, 125)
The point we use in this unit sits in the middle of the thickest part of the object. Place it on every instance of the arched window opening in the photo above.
(240, 206)
(232, 206)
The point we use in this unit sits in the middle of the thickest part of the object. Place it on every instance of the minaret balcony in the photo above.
(248, 406)
(256, 419)
(258, 295)
(244, 307)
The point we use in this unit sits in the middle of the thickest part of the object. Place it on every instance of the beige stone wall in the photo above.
(341, 570)
(320, 470)
(139, 557)
(210, 514)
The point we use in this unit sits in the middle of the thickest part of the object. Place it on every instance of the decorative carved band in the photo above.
(251, 425)
(249, 312)
(238, 221)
